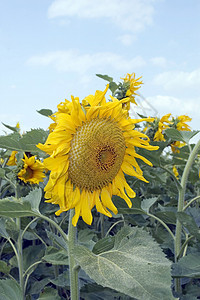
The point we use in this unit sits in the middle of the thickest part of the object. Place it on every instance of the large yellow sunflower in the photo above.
(32, 171)
(91, 148)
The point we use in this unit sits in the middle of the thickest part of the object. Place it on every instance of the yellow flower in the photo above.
(159, 136)
(133, 85)
(181, 125)
(90, 149)
(175, 171)
(175, 145)
(63, 107)
(12, 159)
(32, 171)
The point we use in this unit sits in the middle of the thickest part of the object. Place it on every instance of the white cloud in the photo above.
(73, 61)
(132, 15)
(159, 61)
(178, 80)
(126, 39)
(177, 106)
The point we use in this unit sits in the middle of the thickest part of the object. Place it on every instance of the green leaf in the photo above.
(57, 240)
(29, 140)
(85, 238)
(183, 136)
(10, 141)
(34, 198)
(31, 254)
(24, 207)
(136, 266)
(10, 290)
(4, 267)
(105, 77)
(37, 286)
(147, 203)
(49, 294)
(113, 86)
(123, 209)
(15, 129)
(2, 173)
(55, 256)
(188, 266)
(62, 280)
(26, 143)
(3, 231)
(189, 223)
(45, 112)
(104, 245)
(16, 208)
(169, 217)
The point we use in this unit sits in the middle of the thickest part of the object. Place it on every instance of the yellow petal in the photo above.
(106, 200)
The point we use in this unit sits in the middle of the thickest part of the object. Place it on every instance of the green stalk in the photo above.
(62, 233)
(181, 198)
(73, 270)
(20, 255)
(102, 226)
(163, 223)
(190, 202)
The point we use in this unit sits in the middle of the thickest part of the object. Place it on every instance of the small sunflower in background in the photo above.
(180, 124)
(32, 170)
(12, 159)
(91, 148)
(163, 123)
(133, 84)
(156, 129)
(130, 85)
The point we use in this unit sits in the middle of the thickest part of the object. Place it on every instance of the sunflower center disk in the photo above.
(97, 152)
(28, 174)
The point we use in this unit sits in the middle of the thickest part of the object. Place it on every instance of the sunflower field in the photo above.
(101, 205)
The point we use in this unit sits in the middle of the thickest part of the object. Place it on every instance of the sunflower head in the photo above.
(132, 84)
(90, 150)
(181, 123)
(12, 159)
(161, 124)
(32, 171)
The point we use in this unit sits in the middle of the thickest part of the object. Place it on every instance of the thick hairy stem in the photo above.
(74, 288)
(181, 198)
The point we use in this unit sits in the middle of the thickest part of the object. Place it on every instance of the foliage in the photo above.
(129, 256)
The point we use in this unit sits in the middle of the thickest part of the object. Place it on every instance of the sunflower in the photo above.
(159, 136)
(181, 125)
(133, 84)
(12, 159)
(90, 150)
(32, 171)
(176, 145)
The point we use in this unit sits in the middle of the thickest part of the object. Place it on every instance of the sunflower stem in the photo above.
(20, 255)
(73, 271)
(102, 226)
(181, 198)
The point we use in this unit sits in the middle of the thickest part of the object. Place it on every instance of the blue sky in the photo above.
(52, 49)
